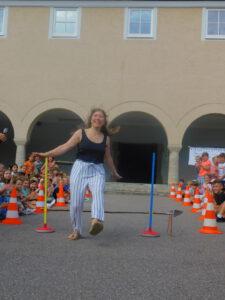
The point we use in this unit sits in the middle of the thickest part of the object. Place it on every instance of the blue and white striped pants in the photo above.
(85, 174)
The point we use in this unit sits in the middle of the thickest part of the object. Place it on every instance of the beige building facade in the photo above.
(154, 87)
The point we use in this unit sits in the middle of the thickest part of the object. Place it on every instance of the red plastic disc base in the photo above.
(150, 233)
(45, 229)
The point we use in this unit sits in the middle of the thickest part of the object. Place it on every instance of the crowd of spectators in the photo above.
(27, 179)
(210, 177)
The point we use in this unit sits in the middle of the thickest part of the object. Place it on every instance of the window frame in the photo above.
(3, 33)
(55, 35)
(206, 36)
(150, 36)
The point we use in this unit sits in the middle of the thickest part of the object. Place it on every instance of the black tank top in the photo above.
(89, 151)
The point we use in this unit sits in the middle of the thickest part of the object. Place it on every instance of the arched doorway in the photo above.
(8, 148)
(206, 131)
(52, 128)
(140, 135)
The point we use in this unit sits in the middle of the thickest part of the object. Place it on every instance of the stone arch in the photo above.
(140, 134)
(33, 114)
(151, 109)
(207, 130)
(11, 115)
(195, 113)
(52, 128)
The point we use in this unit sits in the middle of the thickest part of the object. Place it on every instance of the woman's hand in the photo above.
(41, 154)
(2, 137)
(116, 175)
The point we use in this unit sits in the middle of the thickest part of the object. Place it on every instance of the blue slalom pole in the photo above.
(152, 190)
(149, 231)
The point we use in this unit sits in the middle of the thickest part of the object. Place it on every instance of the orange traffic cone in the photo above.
(209, 224)
(205, 201)
(60, 197)
(172, 192)
(187, 197)
(179, 194)
(12, 216)
(40, 200)
(196, 202)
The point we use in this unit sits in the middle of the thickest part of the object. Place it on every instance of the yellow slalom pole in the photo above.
(46, 191)
(45, 228)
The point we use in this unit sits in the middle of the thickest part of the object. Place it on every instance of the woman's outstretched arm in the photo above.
(72, 142)
(109, 161)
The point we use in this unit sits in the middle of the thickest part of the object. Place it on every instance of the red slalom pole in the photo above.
(149, 232)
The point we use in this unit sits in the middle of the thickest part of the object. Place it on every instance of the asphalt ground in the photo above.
(116, 264)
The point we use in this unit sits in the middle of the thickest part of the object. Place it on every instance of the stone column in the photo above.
(173, 175)
(20, 151)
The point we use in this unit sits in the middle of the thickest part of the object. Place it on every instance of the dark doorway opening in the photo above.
(134, 162)
(8, 148)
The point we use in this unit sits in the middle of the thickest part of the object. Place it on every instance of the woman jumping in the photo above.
(93, 145)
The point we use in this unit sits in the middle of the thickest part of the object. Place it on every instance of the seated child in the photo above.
(22, 170)
(221, 167)
(21, 199)
(25, 188)
(14, 170)
(219, 196)
(29, 165)
(182, 185)
(37, 165)
(207, 184)
(32, 196)
(66, 188)
(5, 189)
(214, 167)
(3, 208)
(51, 165)
(6, 184)
(193, 186)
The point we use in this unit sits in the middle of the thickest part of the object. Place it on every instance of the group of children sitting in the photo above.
(215, 169)
(26, 180)
(215, 186)
(211, 176)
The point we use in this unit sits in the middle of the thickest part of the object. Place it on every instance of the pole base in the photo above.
(150, 233)
(12, 221)
(60, 205)
(213, 230)
(38, 211)
(45, 229)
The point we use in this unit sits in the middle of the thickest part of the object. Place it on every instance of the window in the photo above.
(140, 22)
(65, 22)
(3, 20)
(214, 23)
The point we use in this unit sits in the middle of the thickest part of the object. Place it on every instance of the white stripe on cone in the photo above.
(13, 200)
(204, 209)
(197, 205)
(12, 214)
(210, 223)
(210, 206)
(60, 200)
(40, 204)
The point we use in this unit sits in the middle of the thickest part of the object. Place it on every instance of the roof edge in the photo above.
(115, 4)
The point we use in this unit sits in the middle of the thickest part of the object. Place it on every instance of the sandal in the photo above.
(75, 235)
(96, 227)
